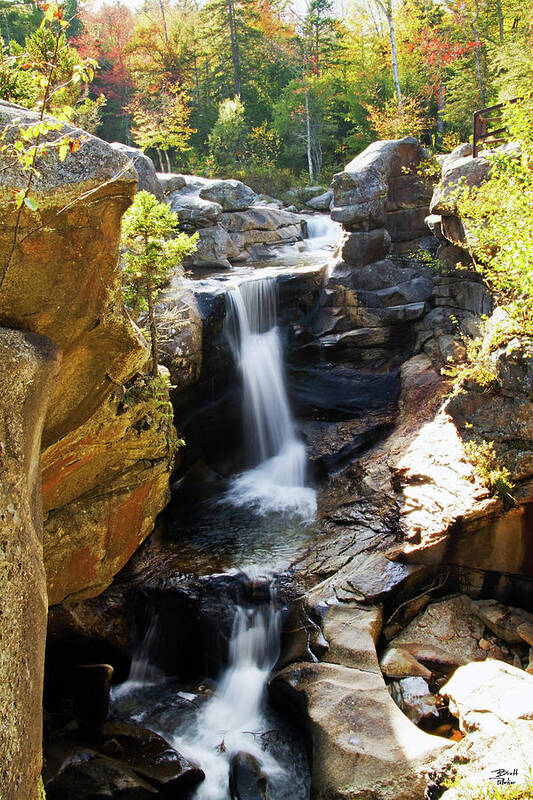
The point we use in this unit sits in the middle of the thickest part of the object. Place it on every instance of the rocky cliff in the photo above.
(70, 357)
(28, 365)
(105, 457)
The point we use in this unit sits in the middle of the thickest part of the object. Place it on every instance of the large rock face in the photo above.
(28, 364)
(102, 454)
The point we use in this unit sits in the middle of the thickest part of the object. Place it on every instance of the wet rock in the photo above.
(446, 634)
(122, 761)
(144, 167)
(100, 629)
(366, 247)
(413, 697)
(91, 685)
(338, 392)
(489, 696)
(28, 364)
(301, 637)
(362, 744)
(246, 780)
(504, 621)
(332, 445)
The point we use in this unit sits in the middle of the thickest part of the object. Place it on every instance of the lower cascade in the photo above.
(226, 737)
(276, 482)
(244, 748)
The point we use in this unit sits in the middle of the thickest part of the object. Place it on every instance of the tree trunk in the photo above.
(308, 138)
(161, 169)
(153, 331)
(441, 101)
(235, 56)
(164, 18)
(167, 159)
(480, 81)
(500, 19)
(394, 53)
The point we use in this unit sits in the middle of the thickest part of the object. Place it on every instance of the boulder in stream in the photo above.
(246, 780)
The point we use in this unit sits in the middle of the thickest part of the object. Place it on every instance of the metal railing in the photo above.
(483, 132)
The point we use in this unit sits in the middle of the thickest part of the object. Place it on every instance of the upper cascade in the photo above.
(277, 480)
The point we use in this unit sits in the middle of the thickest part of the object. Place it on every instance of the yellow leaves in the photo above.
(22, 198)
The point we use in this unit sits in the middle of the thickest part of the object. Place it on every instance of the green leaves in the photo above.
(153, 248)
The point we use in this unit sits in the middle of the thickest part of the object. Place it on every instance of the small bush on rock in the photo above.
(498, 216)
(490, 472)
(150, 256)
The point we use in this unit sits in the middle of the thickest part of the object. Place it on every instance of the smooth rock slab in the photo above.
(231, 195)
(192, 211)
(362, 744)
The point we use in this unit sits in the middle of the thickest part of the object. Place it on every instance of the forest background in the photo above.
(268, 91)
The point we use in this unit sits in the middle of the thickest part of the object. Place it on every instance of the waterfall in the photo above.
(232, 721)
(276, 481)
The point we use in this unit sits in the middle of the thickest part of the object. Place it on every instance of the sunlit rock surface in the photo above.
(101, 453)
(28, 365)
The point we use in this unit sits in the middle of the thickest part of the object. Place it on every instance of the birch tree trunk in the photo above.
(386, 7)
(394, 52)
(308, 138)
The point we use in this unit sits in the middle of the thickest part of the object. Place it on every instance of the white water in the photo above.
(233, 719)
(142, 670)
(322, 232)
(277, 481)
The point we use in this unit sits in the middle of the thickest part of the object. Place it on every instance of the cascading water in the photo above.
(232, 722)
(276, 483)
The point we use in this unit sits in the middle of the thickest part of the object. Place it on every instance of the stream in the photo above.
(251, 529)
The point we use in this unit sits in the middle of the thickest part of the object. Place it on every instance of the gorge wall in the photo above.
(105, 460)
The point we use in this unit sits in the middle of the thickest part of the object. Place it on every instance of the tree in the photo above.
(301, 117)
(385, 6)
(228, 139)
(321, 34)
(150, 256)
(161, 121)
(106, 35)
